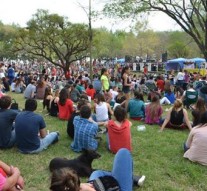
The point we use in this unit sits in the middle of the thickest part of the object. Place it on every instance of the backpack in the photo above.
(105, 183)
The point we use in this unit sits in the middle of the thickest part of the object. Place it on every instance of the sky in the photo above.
(21, 11)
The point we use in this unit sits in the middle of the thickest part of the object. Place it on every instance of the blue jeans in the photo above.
(12, 140)
(122, 170)
(46, 141)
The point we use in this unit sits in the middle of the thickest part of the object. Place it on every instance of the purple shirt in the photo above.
(148, 117)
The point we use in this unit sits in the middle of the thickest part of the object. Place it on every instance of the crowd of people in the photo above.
(109, 103)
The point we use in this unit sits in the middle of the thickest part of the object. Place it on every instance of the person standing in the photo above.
(10, 74)
(104, 80)
(180, 78)
(126, 83)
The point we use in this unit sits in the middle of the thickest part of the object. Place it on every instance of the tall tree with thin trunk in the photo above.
(190, 15)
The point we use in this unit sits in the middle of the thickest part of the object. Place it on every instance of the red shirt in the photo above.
(119, 136)
(91, 92)
(54, 72)
(145, 70)
(160, 84)
(66, 110)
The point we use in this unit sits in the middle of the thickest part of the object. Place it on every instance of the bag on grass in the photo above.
(105, 183)
(14, 105)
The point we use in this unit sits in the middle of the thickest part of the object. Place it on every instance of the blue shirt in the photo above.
(27, 127)
(136, 108)
(84, 135)
(97, 85)
(170, 97)
(7, 117)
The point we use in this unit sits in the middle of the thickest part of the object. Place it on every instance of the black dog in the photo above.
(81, 164)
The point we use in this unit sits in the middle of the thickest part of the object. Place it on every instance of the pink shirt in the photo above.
(197, 144)
(156, 119)
(1, 94)
(2, 181)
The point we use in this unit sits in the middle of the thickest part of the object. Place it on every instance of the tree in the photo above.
(53, 38)
(107, 44)
(178, 49)
(7, 36)
(190, 15)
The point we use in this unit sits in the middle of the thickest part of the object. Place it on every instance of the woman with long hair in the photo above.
(126, 81)
(19, 86)
(197, 110)
(48, 97)
(102, 108)
(177, 117)
(65, 105)
(54, 104)
(196, 145)
(153, 111)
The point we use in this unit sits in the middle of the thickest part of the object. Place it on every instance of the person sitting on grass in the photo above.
(170, 97)
(7, 117)
(102, 109)
(1, 91)
(197, 110)
(177, 117)
(120, 98)
(48, 97)
(153, 111)
(196, 145)
(136, 107)
(65, 105)
(85, 131)
(120, 178)
(31, 135)
(119, 134)
(70, 125)
(10, 178)
(90, 91)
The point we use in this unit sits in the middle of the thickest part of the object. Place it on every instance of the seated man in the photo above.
(7, 117)
(85, 131)
(190, 96)
(31, 135)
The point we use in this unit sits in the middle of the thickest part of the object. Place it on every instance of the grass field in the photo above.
(157, 155)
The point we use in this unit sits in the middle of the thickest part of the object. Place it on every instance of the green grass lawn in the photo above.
(157, 155)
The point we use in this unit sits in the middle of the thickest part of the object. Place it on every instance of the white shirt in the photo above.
(102, 112)
(114, 94)
(180, 76)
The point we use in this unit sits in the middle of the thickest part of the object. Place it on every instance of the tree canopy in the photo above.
(7, 36)
(53, 38)
(190, 15)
